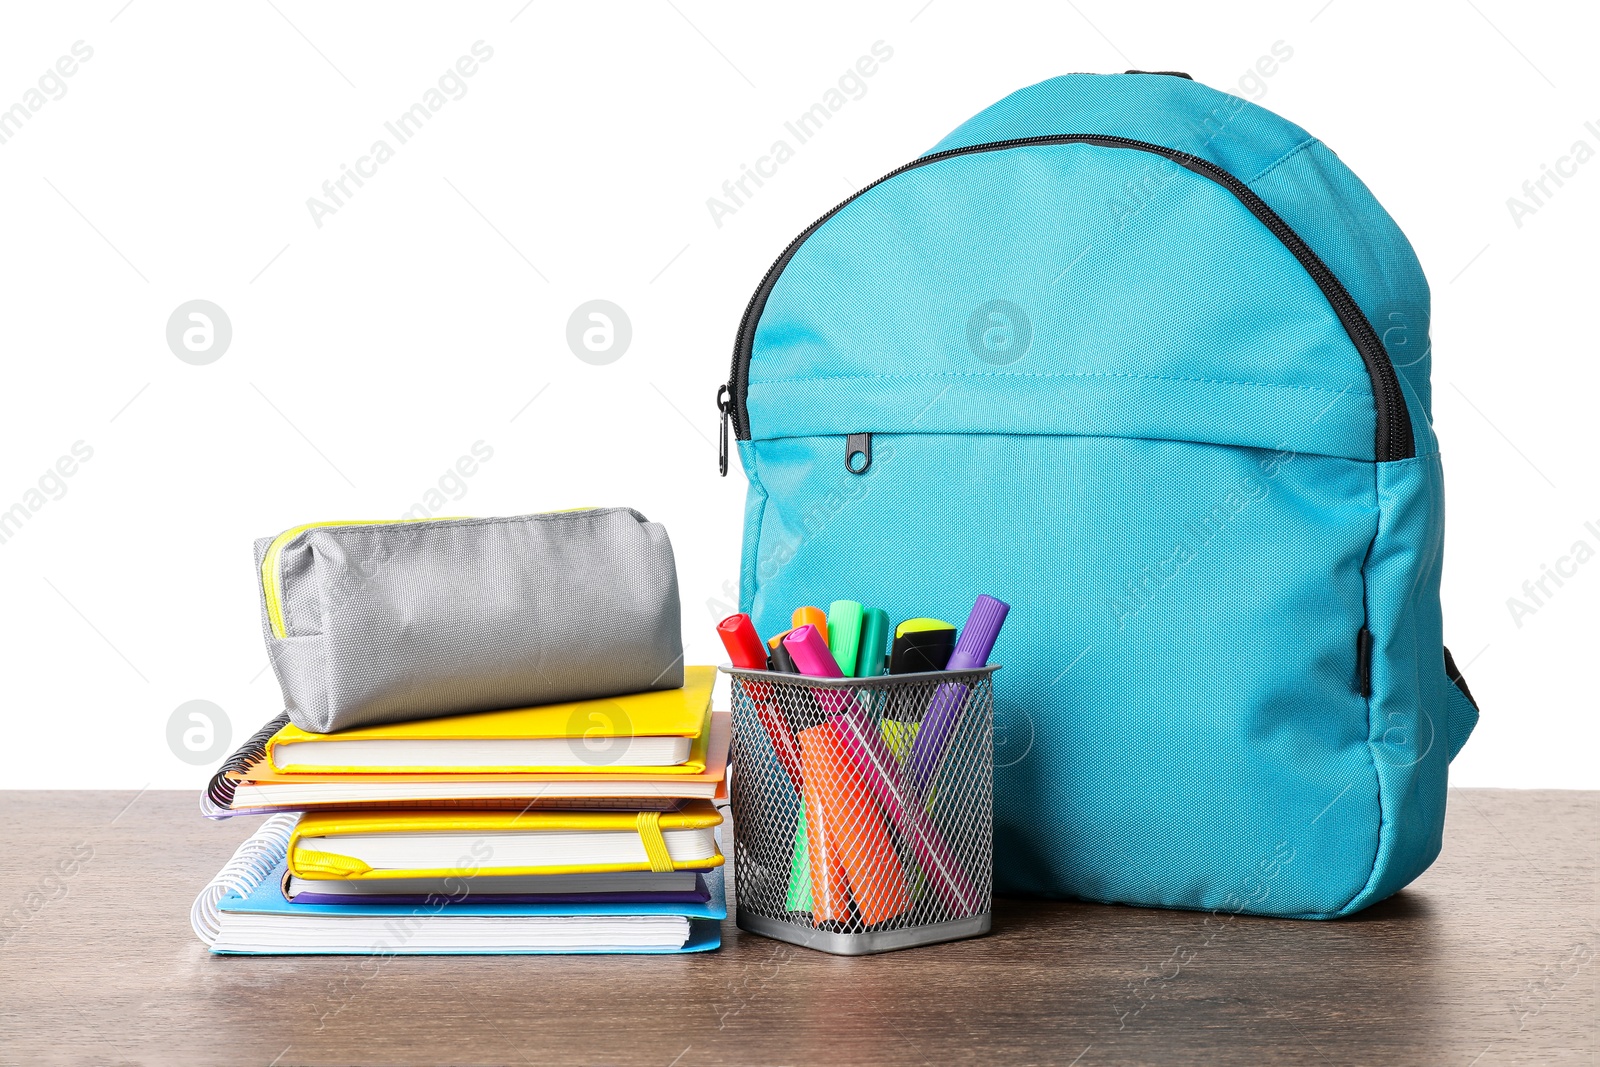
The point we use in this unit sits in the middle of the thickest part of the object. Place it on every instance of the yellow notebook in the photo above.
(442, 844)
(655, 732)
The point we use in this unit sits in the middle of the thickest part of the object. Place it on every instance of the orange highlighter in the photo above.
(811, 617)
(844, 827)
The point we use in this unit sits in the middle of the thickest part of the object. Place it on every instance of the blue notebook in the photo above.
(243, 912)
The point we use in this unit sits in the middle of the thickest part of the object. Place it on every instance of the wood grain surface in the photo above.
(1488, 959)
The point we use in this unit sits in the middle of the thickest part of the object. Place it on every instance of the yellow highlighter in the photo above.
(921, 645)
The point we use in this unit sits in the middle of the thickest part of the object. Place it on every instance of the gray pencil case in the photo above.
(377, 622)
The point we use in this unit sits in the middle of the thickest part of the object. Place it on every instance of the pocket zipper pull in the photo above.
(725, 406)
(857, 444)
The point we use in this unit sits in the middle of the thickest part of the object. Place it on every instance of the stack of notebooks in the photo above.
(581, 827)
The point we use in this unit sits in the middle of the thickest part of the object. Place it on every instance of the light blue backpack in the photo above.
(1149, 363)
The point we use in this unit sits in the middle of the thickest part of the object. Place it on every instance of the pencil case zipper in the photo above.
(272, 578)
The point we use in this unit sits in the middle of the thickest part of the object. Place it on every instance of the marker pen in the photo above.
(978, 635)
(921, 645)
(844, 634)
(744, 646)
(873, 765)
(971, 652)
(782, 662)
(874, 636)
(810, 617)
(809, 650)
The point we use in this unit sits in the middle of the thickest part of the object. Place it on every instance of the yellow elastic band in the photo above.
(329, 864)
(655, 846)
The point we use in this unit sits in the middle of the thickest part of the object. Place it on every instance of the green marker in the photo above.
(844, 634)
(874, 642)
(798, 898)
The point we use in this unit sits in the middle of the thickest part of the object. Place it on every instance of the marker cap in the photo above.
(809, 616)
(874, 636)
(810, 653)
(978, 635)
(744, 646)
(925, 649)
(844, 634)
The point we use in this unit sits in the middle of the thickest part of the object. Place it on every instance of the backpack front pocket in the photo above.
(1182, 701)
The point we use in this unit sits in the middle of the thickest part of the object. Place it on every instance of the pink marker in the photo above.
(809, 650)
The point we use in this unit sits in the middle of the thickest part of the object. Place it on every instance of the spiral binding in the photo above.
(251, 862)
(217, 799)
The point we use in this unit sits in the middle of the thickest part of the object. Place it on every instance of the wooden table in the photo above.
(1487, 959)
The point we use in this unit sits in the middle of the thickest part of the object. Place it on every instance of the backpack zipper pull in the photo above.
(725, 406)
(857, 444)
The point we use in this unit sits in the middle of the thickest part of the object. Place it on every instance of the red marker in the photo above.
(783, 746)
(747, 652)
(744, 646)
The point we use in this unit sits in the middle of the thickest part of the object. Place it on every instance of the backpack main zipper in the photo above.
(1394, 438)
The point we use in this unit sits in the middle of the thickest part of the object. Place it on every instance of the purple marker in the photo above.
(971, 652)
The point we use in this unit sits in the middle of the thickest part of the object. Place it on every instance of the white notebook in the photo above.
(359, 934)
(400, 754)
(315, 794)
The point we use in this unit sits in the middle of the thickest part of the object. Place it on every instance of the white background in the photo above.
(429, 312)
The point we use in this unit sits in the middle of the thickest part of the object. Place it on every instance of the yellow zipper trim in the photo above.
(271, 583)
(271, 579)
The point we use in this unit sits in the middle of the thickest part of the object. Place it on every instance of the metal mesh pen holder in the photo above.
(863, 812)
